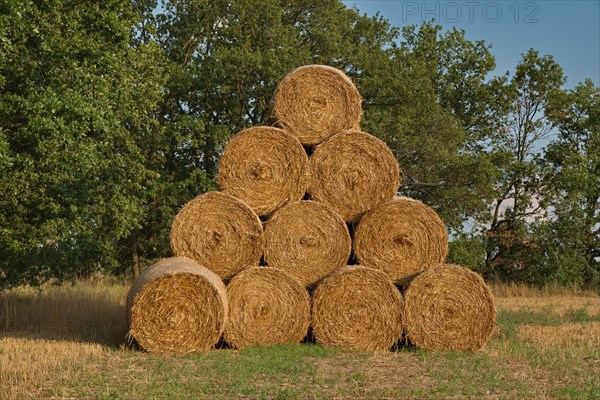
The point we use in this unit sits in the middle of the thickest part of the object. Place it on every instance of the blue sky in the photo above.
(568, 30)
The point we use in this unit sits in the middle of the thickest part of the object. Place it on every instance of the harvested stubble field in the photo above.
(68, 342)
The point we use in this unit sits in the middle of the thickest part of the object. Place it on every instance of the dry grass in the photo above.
(30, 367)
(560, 305)
(570, 335)
(524, 290)
(85, 312)
(49, 335)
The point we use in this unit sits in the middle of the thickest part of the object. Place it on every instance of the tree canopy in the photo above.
(114, 114)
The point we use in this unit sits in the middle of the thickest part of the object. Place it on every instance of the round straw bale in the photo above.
(307, 239)
(353, 172)
(177, 306)
(401, 237)
(266, 306)
(314, 102)
(265, 167)
(357, 308)
(448, 307)
(219, 232)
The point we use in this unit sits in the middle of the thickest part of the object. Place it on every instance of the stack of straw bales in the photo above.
(307, 235)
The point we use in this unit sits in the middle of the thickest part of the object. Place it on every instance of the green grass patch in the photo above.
(575, 393)
(508, 321)
(257, 372)
(472, 375)
(580, 315)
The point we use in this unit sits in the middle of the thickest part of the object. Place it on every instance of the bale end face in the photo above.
(353, 172)
(267, 306)
(401, 237)
(449, 307)
(314, 102)
(219, 232)
(265, 167)
(308, 240)
(177, 306)
(357, 308)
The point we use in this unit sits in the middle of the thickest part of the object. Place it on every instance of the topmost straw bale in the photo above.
(314, 102)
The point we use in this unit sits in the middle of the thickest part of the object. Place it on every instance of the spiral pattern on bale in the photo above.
(449, 307)
(265, 167)
(357, 308)
(177, 306)
(219, 232)
(314, 102)
(353, 172)
(401, 237)
(266, 306)
(307, 239)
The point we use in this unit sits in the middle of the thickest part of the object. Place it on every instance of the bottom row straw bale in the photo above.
(448, 307)
(267, 306)
(177, 306)
(357, 308)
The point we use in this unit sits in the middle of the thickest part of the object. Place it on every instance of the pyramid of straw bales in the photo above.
(307, 234)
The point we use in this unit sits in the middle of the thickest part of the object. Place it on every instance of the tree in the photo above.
(571, 176)
(224, 61)
(231, 58)
(438, 112)
(516, 204)
(106, 134)
(75, 99)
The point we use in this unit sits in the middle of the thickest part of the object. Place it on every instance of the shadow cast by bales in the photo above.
(82, 314)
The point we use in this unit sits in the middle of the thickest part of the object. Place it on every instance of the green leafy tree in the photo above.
(75, 99)
(571, 232)
(224, 60)
(468, 249)
(516, 203)
(438, 112)
(230, 60)
(114, 114)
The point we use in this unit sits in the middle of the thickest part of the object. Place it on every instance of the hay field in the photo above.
(69, 342)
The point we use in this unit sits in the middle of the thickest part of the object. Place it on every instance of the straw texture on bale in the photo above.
(357, 308)
(314, 102)
(401, 237)
(353, 172)
(177, 306)
(448, 307)
(266, 306)
(307, 239)
(219, 232)
(265, 167)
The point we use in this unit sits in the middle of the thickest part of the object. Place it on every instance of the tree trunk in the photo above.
(135, 257)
